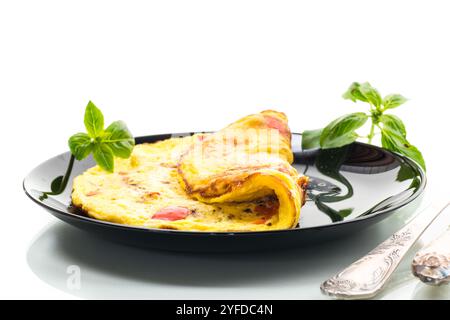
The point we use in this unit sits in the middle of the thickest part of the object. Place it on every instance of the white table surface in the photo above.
(171, 66)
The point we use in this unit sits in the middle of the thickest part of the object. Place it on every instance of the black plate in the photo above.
(351, 188)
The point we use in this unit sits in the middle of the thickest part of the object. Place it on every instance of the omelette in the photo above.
(237, 179)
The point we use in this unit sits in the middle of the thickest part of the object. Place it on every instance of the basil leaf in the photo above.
(393, 101)
(341, 131)
(311, 139)
(371, 94)
(93, 120)
(345, 212)
(363, 92)
(354, 93)
(393, 123)
(56, 184)
(80, 145)
(394, 141)
(119, 139)
(406, 173)
(104, 157)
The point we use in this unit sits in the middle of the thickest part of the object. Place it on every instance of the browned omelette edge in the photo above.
(223, 185)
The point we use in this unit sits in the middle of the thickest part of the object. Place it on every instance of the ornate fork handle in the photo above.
(367, 276)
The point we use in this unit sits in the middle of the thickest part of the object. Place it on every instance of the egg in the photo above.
(237, 179)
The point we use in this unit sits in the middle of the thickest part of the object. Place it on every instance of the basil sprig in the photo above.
(105, 144)
(342, 131)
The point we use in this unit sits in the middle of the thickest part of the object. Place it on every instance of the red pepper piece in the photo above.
(172, 213)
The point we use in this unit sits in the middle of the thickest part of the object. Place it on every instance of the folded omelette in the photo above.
(237, 179)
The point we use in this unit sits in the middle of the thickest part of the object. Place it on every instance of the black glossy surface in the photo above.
(351, 188)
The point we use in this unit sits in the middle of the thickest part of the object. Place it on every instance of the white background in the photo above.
(165, 66)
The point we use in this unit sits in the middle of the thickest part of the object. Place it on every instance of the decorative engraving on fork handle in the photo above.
(367, 276)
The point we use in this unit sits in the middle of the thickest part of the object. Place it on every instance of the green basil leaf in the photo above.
(345, 212)
(363, 92)
(406, 173)
(80, 145)
(56, 184)
(393, 101)
(339, 141)
(93, 120)
(104, 157)
(354, 93)
(341, 131)
(393, 123)
(371, 94)
(394, 141)
(311, 139)
(119, 139)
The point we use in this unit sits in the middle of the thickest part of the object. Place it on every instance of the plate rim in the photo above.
(419, 191)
